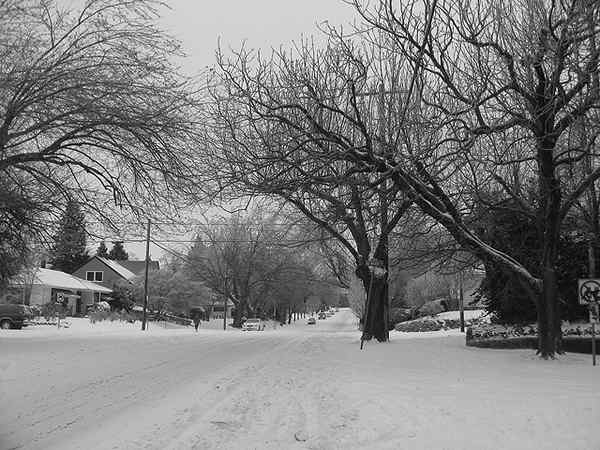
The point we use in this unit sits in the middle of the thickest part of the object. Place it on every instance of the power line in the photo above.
(278, 243)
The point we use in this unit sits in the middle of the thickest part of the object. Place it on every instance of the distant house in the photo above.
(107, 272)
(52, 285)
(217, 307)
(212, 308)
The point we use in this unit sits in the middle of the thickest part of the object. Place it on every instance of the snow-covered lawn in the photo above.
(294, 387)
(82, 327)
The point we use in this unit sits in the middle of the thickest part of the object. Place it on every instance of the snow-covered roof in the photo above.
(138, 267)
(125, 273)
(62, 280)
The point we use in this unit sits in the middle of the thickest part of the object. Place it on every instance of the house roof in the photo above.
(118, 268)
(62, 280)
(138, 267)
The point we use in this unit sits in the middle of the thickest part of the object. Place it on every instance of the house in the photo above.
(212, 308)
(107, 272)
(52, 285)
(217, 307)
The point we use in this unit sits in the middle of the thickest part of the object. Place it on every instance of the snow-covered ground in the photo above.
(294, 387)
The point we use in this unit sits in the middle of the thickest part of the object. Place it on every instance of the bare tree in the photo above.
(503, 85)
(253, 261)
(91, 105)
(287, 127)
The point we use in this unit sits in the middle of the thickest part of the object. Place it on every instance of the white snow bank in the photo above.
(470, 314)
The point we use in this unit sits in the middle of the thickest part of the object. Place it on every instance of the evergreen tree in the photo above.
(69, 250)
(117, 252)
(102, 251)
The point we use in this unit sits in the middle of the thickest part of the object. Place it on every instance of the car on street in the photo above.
(253, 325)
(311, 321)
(322, 316)
(14, 316)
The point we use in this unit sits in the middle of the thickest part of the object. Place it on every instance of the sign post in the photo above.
(594, 309)
(60, 298)
(589, 294)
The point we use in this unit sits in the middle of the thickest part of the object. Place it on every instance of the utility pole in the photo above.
(224, 313)
(383, 205)
(146, 276)
(461, 301)
(225, 306)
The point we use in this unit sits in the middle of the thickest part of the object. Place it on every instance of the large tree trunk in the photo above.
(237, 317)
(548, 314)
(241, 310)
(375, 318)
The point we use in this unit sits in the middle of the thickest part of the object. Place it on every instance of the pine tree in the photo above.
(117, 252)
(102, 251)
(69, 251)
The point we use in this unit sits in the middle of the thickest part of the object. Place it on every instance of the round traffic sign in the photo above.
(589, 291)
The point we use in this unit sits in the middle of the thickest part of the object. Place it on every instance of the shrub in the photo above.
(398, 315)
(36, 310)
(123, 316)
(51, 310)
(433, 324)
(102, 306)
(415, 326)
(433, 307)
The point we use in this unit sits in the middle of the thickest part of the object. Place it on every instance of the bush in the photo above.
(36, 310)
(51, 310)
(416, 326)
(101, 306)
(398, 315)
(433, 324)
(433, 307)
(518, 236)
(100, 315)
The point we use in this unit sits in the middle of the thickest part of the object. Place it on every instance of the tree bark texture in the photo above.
(548, 314)
(374, 320)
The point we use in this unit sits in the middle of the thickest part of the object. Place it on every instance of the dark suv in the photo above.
(14, 316)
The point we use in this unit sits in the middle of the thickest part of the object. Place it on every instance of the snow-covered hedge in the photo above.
(99, 316)
(448, 320)
(485, 331)
(431, 324)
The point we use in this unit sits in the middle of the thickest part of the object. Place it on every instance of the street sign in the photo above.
(589, 290)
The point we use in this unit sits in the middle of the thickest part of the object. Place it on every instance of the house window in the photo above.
(94, 276)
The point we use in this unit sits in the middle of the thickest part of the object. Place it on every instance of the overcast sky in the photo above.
(263, 24)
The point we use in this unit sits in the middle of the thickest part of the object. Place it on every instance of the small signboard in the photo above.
(589, 290)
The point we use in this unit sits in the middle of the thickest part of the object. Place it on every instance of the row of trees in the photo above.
(439, 111)
(249, 259)
(265, 267)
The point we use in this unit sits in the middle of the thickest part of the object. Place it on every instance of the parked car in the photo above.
(14, 316)
(322, 316)
(311, 321)
(253, 325)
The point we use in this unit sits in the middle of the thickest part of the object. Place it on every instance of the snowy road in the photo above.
(299, 387)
